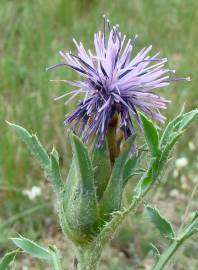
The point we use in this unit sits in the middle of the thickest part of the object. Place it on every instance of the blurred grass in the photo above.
(32, 33)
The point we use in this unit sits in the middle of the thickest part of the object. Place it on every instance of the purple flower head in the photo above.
(115, 82)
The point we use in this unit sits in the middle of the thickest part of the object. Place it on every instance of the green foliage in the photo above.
(151, 135)
(102, 168)
(186, 233)
(32, 248)
(190, 229)
(80, 205)
(172, 133)
(147, 179)
(25, 90)
(55, 258)
(164, 227)
(155, 251)
(33, 145)
(160, 151)
(49, 164)
(177, 126)
(54, 171)
(130, 168)
(7, 260)
(51, 255)
(112, 197)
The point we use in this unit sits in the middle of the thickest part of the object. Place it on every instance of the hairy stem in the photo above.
(88, 257)
(170, 251)
(167, 255)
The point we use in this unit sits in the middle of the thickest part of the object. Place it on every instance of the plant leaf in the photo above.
(84, 169)
(111, 200)
(190, 229)
(33, 145)
(164, 227)
(80, 205)
(54, 172)
(55, 255)
(32, 248)
(167, 149)
(155, 251)
(55, 154)
(147, 179)
(151, 135)
(177, 125)
(102, 168)
(7, 259)
(130, 168)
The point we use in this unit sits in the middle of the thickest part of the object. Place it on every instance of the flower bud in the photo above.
(79, 203)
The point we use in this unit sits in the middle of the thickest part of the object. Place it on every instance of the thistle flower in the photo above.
(114, 82)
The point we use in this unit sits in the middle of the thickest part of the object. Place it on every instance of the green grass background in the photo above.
(32, 32)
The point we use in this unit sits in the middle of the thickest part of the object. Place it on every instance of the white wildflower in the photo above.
(181, 162)
(34, 192)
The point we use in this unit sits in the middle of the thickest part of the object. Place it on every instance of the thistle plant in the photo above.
(120, 105)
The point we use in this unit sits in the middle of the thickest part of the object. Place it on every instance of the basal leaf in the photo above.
(164, 227)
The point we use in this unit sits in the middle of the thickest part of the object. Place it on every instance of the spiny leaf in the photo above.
(178, 125)
(190, 229)
(33, 145)
(55, 256)
(151, 135)
(102, 168)
(32, 248)
(167, 149)
(164, 227)
(176, 243)
(55, 154)
(111, 200)
(54, 172)
(80, 205)
(84, 169)
(130, 168)
(109, 227)
(7, 260)
(155, 251)
(49, 164)
(147, 179)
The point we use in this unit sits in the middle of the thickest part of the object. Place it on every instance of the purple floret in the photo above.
(115, 82)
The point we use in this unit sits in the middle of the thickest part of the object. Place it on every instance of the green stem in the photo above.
(170, 251)
(88, 257)
(167, 255)
(56, 265)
